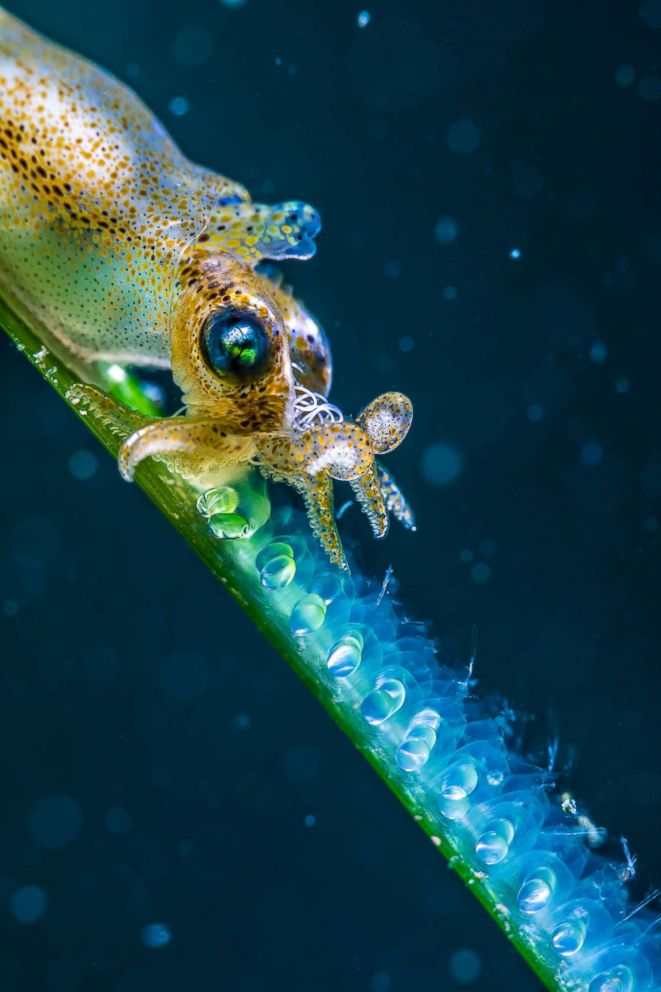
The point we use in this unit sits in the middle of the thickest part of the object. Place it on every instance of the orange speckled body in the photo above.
(125, 251)
(97, 204)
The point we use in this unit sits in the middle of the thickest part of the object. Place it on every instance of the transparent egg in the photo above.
(459, 782)
(383, 702)
(278, 572)
(308, 615)
(344, 656)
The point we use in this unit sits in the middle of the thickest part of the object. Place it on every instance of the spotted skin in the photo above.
(125, 251)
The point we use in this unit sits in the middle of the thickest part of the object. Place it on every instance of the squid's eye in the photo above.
(235, 342)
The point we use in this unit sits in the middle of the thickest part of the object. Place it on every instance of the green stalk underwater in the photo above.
(491, 814)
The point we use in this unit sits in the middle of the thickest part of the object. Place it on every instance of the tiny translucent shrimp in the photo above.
(125, 251)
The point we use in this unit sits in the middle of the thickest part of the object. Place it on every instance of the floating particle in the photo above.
(592, 453)
(450, 293)
(465, 966)
(54, 821)
(488, 546)
(310, 820)
(242, 721)
(480, 573)
(515, 253)
(535, 413)
(650, 88)
(363, 18)
(392, 269)
(625, 75)
(83, 465)
(118, 820)
(406, 344)
(28, 904)
(598, 352)
(10, 608)
(463, 136)
(184, 676)
(442, 463)
(446, 231)
(466, 556)
(179, 106)
(156, 935)
(622, 385)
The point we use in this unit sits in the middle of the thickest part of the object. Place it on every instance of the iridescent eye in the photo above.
(236, 343)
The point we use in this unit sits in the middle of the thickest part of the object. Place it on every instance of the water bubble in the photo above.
(536, 891)
(442, 463)
(494, 844)
(383, 702)
(345, 655)
(446, 231)
(569, 936)
(224, 499)
(308, 615)
(278, 572)
(28, 904)
(54, 821)
(328, 586)
(459, 782)
(156, 935)
(495, 777)
(363, 18)
(618, 979)
(83, 465)
(463, 136)
(465, 966)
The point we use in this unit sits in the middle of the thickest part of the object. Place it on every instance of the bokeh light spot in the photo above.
(28, 904)
(156, 935)
(441, 464)
(83, 465)
(446, 231)
(465, 966)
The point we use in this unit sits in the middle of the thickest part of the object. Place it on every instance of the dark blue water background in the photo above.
(488, 173)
